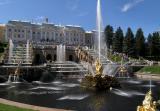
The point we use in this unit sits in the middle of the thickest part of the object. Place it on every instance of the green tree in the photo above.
(140, 43)
(149, 45)
(108, 35)
(118, 41)
(129, 43)
(155, 44)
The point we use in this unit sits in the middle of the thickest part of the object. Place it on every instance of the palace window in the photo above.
(9, 30)
(19, 35)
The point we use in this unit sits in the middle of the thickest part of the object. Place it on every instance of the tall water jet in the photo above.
(10, 50)
(99, 29)
(61, 52)
(27, 52)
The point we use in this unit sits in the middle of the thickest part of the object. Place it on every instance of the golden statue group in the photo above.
(148, 103)
(99, 68)
(99, 81)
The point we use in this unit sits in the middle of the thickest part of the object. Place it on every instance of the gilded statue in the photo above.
(99, 68)
(123, 69)
(148, 103)
(17, 71)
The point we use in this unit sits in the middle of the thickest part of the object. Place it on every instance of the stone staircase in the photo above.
(95, 55)
(21, 53)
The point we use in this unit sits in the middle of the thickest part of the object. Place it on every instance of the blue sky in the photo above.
(123, 13)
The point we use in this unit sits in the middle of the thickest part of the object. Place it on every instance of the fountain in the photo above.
(14, 77)
(61, 52)
(122, 72)
(148, 103)
(99, 81)
(65, 69)
(67, 94)
(19, 52)
(100, 34)
(10, 50)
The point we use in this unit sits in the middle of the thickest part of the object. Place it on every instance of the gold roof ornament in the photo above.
(148, 103)
(99, 68)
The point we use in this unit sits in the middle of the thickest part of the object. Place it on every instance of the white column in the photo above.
(45, 35)
(12, 35)
(69, 38)
(54, 36)
(50, 36)
(6, 34)
(41, 33)
(25, 34)
(31, 35)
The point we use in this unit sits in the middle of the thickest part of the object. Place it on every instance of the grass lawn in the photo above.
(12, 108)
(151, 69)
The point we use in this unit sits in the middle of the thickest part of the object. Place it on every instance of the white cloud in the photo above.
(72, 5)
(4, 2)
(130, 5)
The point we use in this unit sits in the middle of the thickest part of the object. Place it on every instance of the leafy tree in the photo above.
(108, 35)
(118, 41)
(129, 43)
(140, 43)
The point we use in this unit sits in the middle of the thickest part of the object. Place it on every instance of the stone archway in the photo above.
(55, 57)
(37, 59)
(70, 57)
(49, 57)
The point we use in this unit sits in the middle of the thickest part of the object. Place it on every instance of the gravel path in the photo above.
(148, 76)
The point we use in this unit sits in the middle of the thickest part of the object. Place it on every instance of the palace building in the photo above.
(47, 33)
